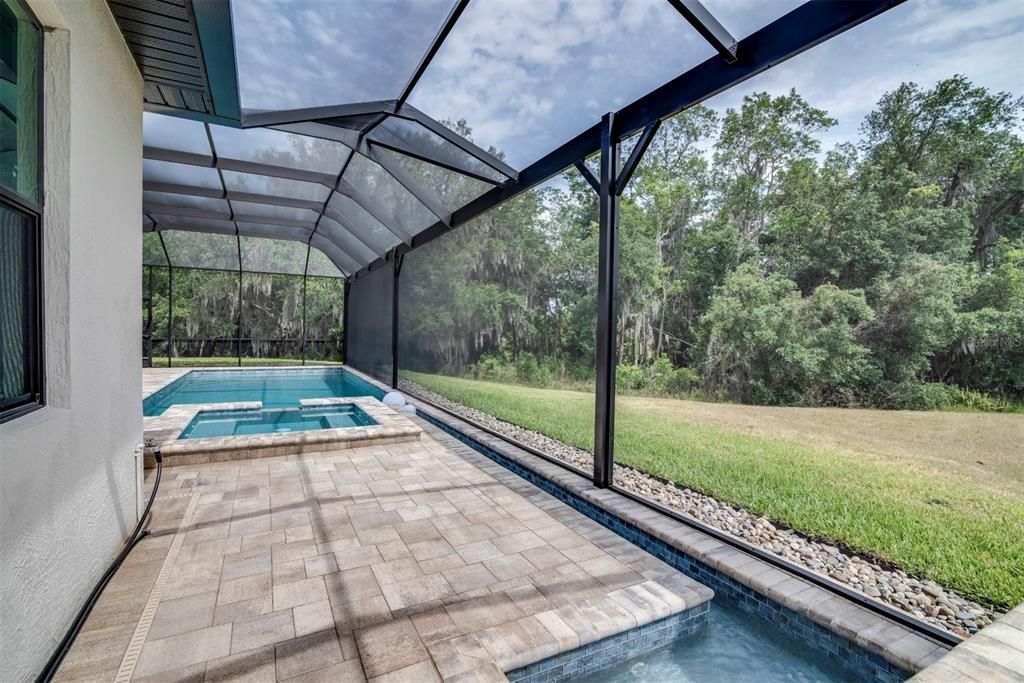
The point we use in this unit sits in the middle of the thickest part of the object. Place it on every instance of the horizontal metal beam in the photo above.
(252, 118)
(427, 157)
(272, 200)
(171, 210)
(333, 251)
(186, 226)
(241, 165)
(381, 213)
(177, 156)
(367, 203)
(425, 196)
(191, 212)
(191, 115)
(801, 29)
(707, 26)
(260, 168)
(324, 131)
(413, 114)
(234, 195)
(189, 190)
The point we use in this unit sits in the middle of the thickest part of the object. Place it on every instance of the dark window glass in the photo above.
(19, 100)
(20, 381)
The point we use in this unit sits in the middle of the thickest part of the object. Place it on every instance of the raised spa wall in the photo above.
(163, 431)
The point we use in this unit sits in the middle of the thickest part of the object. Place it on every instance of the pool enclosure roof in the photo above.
(307, 137)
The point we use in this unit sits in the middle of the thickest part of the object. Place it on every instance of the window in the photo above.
(21, 376)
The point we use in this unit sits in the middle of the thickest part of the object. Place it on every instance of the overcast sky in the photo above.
(527, 75)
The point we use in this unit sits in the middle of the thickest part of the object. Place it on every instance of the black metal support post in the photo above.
(238, 325)
(170, 312)
(305, 276)
(396, 273)
(344, 322)
(170, 296)
(147, 359)
(607, 290)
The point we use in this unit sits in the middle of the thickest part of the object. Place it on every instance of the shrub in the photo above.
(629, 378)
(682, 382)
(969, 399)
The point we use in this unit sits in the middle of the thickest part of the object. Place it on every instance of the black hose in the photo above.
(137, 535)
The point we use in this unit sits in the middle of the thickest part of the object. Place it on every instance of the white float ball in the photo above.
(409, 409)
(394, 399)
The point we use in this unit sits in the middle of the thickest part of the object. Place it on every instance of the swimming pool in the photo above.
(734, 647)
(279, 388)
(219, 423)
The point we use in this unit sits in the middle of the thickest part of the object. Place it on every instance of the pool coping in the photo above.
(161, 433)
(820, 617)
(995, 653)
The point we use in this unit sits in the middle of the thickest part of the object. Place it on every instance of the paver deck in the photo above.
(417, 561)
(996, 653)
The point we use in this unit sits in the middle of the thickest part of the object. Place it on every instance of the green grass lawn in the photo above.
(964, 536)
(214, 361)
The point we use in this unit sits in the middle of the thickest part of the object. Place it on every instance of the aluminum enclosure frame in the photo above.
(354, 126)
(793, 33)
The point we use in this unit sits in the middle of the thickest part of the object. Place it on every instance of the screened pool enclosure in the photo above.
(287, 192)
(349, 183)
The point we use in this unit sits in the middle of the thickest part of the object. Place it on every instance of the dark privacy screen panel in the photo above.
(369, 323)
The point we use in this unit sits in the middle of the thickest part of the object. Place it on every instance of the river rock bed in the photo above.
(922, 598)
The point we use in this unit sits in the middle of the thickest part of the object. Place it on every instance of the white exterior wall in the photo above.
(68, 472)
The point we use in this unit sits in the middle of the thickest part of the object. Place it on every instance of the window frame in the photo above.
(32, 274)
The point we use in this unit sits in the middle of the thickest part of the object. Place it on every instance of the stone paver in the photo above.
(996, 653)
(411, 561)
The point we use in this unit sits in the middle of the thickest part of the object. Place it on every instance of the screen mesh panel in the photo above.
(364, 51)
(205, 313)
(508, 299)
(271, 316)
(369, 323)
(201, 250)
(320, 265)
(325, 305)
(154, 286)
(273, 256)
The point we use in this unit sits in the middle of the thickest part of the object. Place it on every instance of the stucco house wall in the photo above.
(69, 474)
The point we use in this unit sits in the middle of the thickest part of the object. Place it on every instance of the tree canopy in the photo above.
(757, 266)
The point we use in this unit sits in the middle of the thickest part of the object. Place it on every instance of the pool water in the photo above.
(735, 647)
(275, 388)
(213, 423)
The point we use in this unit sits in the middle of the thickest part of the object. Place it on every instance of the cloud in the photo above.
(306, 53)
(528, 75)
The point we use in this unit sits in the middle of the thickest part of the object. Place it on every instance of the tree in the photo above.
(756, 145)
(763, 342)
